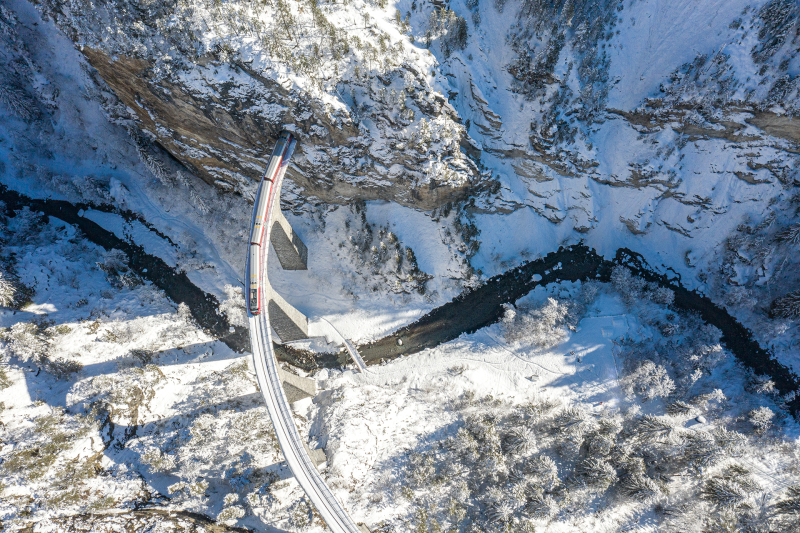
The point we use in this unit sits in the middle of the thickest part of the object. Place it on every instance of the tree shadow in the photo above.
(120, 435)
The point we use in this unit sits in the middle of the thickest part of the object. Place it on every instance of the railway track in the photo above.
(265, 211)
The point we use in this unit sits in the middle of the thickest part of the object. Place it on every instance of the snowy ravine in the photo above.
(568, 121)
(440, 143)
(561, 417)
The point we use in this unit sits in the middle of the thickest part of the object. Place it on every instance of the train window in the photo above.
(253, 299)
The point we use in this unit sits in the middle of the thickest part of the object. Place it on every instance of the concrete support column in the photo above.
(308, 386)
(289, 323)
(291, 251)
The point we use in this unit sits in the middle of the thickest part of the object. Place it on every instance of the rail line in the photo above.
(266, 365)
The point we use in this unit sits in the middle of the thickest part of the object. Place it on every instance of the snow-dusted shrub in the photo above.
(669, 329)
(230, 515)
(541, 507)
(581, 302)
(787, 306)
(301, 514)
(177, 487)
(198, 488)
(13, 293)
(640, 487)
(542, 327)
(423, 468)
(656, 428)
(732, 488)
(5, 381)
(8, 290)
(679, 408)
(600, 444)
(234, 306)
(724, 493)
(519, 441)
(702, 401)
(158, 461)
(569, 417)
(596, 472)
(731, 442)
(500, 512)
(385, 527)
(628, 285)
(648, 381)
(761, 384)
(136, 358)
(633, 288)
(154, 164)
(27, 340)
(464, 444)
(537, 410)
(790, 504)
(569, 428)
(790, 235)
(115, 265)
(17, 101)
(544, 471)
(662, 295)
(697, 349)
(59, 367)
(701, 450)
(761, 418)
(588, 292)
(456, 510)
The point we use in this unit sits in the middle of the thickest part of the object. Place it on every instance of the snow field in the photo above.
(371, 269)
(186, 417)
(115, 397)
(396, 436)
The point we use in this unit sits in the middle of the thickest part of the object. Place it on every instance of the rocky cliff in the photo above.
(382, 131)
(662, 126)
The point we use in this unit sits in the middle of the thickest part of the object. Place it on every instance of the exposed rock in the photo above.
(225, 135)
(654, 118)
(157, 520)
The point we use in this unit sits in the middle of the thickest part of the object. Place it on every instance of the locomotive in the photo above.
(269, 187)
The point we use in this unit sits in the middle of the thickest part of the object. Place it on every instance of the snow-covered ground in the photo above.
(113, 398)
(408, 447)
(603, 409)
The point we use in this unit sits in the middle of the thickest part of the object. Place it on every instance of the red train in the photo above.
(265, 202)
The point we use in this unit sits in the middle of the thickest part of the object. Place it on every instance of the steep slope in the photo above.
(215, 83)
(666, 127)
(663, 127)
(505, 129)
(631, 123)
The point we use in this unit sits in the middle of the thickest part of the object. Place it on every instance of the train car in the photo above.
(271, 182)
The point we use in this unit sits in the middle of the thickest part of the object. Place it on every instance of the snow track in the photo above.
(266, 367)
(355, 355)
(351, 348)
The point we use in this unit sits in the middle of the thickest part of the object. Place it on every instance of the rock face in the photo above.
(566, 115)
(366, 104)
(224, 134)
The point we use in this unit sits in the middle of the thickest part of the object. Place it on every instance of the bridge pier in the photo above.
(305, 385)
(289, 323)
(291, 251)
